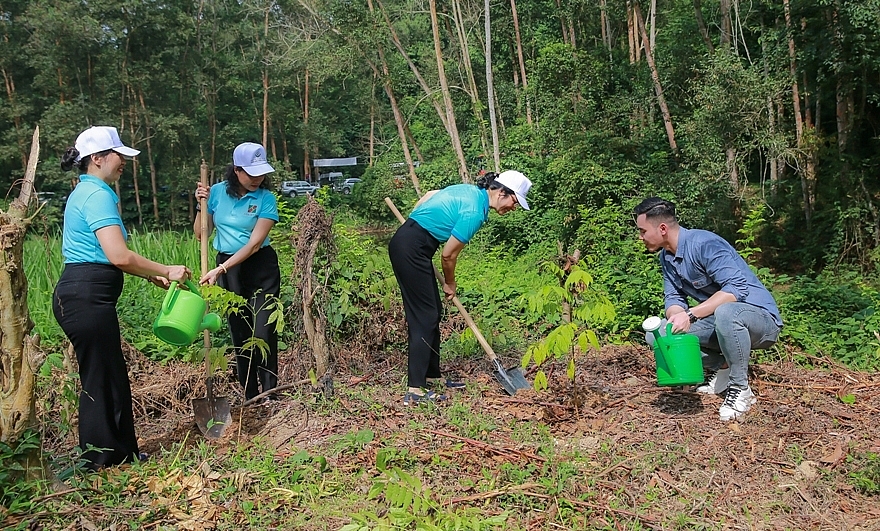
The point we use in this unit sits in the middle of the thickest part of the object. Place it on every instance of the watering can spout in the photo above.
(211, 322)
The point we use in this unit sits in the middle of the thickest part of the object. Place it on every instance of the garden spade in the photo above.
(212, 412)
(512, 380)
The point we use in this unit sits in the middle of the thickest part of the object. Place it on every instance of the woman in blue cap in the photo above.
(243, 211)
(452, 216)
(84, 302)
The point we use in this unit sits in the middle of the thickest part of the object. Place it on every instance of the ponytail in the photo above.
(486, 180)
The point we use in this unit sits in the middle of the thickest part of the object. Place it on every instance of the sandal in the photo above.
(430, 397)
(446, 382)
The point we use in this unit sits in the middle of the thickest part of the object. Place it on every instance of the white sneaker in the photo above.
(716, 382)
(736, 403)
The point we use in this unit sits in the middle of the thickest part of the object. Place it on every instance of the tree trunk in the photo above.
(19, 352)
(473, 92)
(447, 96)
(521, 60)
(701, 24)
(606, 26)
(153, 185)
(658, 89)
(307, 164)
(266, 79)
(798, 118)
(429, 92)
(373, 121)
(9, 83)
(490, 89)
(726, 26)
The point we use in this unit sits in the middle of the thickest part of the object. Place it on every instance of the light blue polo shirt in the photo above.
(91, 206)
(235, 218)
(458, 210)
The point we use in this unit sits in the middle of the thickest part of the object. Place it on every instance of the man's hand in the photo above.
(681, 323)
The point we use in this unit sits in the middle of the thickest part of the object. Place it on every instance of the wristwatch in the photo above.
(693, 318)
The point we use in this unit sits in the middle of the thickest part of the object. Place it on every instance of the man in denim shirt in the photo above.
(734, 313)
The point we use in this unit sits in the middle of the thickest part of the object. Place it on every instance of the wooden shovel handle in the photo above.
(203, 240)
(467, 318)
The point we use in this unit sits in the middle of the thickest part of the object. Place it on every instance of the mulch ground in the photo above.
(786, 465)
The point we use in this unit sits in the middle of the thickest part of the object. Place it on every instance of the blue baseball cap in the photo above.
(251, 158)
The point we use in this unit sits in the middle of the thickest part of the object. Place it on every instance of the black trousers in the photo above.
(255, 279)
(411, 249)
(84, 304)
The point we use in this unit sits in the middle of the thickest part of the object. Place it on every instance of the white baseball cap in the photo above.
(517, 182)
(101, 138)
(251, 158)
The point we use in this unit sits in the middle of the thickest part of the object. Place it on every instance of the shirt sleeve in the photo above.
(467, 225)
(213, 200)
(724, 267)
(269, 207)
(672, 296)
(101, 211)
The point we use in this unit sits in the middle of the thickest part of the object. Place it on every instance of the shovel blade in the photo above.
(512, 380)
(212, 414)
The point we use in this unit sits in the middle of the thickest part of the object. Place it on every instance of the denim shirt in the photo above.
(704, 264)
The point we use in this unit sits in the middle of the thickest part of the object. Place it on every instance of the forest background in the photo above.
(759, 120)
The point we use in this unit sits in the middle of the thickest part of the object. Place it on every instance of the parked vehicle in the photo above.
(347, 185)
(295, 188)
(330, 179)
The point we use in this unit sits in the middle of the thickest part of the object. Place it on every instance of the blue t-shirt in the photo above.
(458, 210)
(704, 264)
(91, 206)
(235, 218)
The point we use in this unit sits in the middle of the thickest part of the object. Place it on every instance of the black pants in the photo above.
(84, 305)
(255, 279)
(411, 249)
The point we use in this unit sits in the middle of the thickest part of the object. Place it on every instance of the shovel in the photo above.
(512, 380)
(212, 412)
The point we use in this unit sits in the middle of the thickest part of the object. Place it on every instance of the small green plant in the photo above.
(411, 506)
(865, 473)
(576, 306)
(352, 442)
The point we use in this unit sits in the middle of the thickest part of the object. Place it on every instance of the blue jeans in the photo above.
(730, 334)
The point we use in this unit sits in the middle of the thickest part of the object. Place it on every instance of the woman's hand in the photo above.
(162, 282)
(179, 273)
(449, 290)
(211, 276)
(202, 191)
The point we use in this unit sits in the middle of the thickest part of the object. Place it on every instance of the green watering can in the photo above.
(182, 317)
(678, 357)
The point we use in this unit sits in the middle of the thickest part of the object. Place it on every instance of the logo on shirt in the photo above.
(252, 209)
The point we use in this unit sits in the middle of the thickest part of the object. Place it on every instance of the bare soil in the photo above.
(647, 457)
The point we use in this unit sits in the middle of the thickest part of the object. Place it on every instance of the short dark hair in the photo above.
(656, 209)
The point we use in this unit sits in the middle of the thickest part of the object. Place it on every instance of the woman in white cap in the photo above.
(450, 216)
(243, 211)
(84, 302)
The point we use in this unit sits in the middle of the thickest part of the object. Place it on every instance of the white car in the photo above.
(295, 188)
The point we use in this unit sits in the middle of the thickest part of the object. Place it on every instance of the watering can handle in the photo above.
(190, 285)
(168, 295)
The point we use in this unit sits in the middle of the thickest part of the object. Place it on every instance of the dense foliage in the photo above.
(763, 108)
